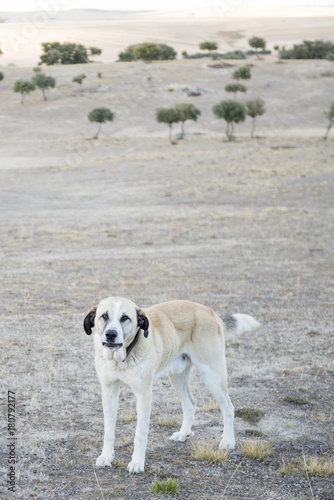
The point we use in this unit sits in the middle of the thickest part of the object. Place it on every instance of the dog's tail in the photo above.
(237, 324)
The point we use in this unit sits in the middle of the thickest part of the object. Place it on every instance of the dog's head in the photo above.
(116, 320)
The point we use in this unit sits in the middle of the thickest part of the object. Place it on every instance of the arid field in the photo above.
(242, 226)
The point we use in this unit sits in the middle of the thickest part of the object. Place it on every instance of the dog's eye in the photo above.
(124, 318)
(105, 316)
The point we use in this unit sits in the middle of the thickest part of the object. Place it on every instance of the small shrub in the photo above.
(79, 79)
(1, 76)
(242, 73)
(207, 453)
(95, 51)
(253, 432)
(166, 423)
(165, 487)
(255, 448)
(296, 400)
(249, 414)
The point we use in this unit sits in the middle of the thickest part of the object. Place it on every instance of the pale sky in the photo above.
(49, 5)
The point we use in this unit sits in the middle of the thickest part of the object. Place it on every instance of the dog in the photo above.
(134, 347)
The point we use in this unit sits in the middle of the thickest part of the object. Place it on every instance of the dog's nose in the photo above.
(111, 335)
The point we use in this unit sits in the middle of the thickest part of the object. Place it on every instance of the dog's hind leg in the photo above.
(180, 382)
(216, 383)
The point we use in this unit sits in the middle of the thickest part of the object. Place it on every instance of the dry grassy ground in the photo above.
(242, 227)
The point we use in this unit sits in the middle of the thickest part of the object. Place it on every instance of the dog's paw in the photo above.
(135, 466)
(104, 461)
(179, 436)
(227, 444)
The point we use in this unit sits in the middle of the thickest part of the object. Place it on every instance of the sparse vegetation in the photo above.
(208, 453)
(255, 107)
(330, 117)
(79, 79)
(232, 112)
(314, 466)
(257, 43)
(147, 52)
(310, 49)
(208, 46)
(168, 116)
(254, 448)
(249, 414)
(24, 87)
(63, 53)
(186, 111)
(165, 487)
(296, 400)
(43, 82)
(100, 116)
(242, 73)
(235, 88)
(95, 51)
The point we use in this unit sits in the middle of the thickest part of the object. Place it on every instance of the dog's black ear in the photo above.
(143, 321)
(89, 321)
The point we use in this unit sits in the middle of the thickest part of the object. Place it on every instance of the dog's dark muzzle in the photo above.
(111, 336)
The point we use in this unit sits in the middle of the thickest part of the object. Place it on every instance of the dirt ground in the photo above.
(245, 227)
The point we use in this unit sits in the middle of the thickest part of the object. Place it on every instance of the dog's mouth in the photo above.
(112, 345)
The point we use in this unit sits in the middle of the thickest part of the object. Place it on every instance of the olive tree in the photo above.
(169, 116)
(255, 107)
(186, 112)
(242, 73)
(43, 82)
(79, 79)
(330, 116)
(100, 116)
(257, 43)
(24, 87)
(232, 112)
(235, 87)
(208, 46)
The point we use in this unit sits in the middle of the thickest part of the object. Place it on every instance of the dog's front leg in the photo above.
(110, 394)
(144, 403)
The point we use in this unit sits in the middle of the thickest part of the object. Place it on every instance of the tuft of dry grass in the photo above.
(255, 448)
(296, 400)
(313, 466)
(166, 422)
(209, 453)
(210, 405)
(129, 416)
(316, 466)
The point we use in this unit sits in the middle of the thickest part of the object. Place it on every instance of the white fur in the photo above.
(181, 335)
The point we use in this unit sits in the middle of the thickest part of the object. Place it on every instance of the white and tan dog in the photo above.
(134, 347)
